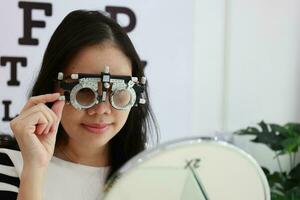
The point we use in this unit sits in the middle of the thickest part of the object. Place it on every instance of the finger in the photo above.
(40, 99)
(47, 112)
(57, 108)
(40, 128)
(42, 122)
(23, 129)
(51, 116)
(48, 115)
(37, 120)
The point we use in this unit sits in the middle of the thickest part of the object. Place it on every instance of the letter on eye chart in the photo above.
(6, 117)
(13, 68)
(29, 23)
(115, 11)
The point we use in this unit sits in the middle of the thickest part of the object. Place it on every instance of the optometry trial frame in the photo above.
(82, 90)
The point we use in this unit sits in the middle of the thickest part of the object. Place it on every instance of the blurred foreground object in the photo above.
(189, 169)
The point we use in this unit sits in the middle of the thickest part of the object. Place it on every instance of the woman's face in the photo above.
(95, 126)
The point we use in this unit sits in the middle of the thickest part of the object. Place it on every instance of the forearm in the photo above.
(31, 184)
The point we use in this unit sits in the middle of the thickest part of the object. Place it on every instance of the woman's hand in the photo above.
(35, 129)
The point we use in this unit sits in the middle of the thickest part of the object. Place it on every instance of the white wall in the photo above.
(208, 66)
(263, 62)
(250, 72)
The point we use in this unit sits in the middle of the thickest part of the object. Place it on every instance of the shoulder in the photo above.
(10, 169)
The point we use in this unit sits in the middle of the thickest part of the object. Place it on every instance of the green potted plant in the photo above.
(283, 140)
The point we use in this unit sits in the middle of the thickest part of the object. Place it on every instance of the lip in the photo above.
(96, 128)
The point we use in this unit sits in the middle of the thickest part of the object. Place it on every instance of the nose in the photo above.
(100, 108)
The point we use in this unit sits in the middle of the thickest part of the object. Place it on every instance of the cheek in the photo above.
(68, 110)
(121, 117)
(69, 116)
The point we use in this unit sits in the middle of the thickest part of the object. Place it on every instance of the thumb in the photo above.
(57, 108)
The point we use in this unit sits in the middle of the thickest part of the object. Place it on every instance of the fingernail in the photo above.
(62, 98)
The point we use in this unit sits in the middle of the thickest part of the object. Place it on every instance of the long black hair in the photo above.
(83, 28)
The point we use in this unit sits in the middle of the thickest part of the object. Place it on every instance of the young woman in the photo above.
(68, 149)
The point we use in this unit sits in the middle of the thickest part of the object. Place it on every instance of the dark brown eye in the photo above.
(121, 98)
(85, 96)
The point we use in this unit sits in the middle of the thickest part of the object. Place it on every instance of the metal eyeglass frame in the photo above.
(110, 82)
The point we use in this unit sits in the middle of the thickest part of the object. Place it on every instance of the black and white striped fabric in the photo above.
(9, 177)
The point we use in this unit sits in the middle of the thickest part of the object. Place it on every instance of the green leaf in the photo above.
(247, 131)
(280, 130)
(293, 194)
(272, 135)
(269, 137)
(266, 171)
(277, 179)
(275, 196)
(295, 173)
(293, 128)
(291, 145)
(263, 126)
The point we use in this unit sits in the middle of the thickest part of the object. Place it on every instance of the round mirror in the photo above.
(190, 169)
